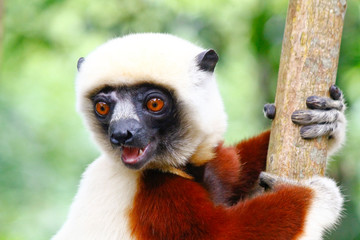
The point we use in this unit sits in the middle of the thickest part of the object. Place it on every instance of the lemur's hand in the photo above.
(327, 204)
(325, 118)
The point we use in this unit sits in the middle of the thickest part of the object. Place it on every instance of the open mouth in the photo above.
(133, 156)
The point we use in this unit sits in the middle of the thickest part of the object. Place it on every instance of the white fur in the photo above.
(339, 134)
(124, 109)
(325, 210)
(101, 206)
(164, 60)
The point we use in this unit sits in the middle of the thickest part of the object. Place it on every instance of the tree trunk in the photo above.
(308, 66)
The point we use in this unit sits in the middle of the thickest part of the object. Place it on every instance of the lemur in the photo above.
(153, 107)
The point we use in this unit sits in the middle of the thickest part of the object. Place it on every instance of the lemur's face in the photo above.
(139, 122)
(151, 101)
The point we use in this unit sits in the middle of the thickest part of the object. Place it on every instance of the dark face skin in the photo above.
(142, 121)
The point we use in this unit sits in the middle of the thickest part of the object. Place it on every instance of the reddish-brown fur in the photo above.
(233, 173)
(168, 206)
(253, 160)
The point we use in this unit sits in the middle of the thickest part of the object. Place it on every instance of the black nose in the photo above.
(124, 132)
(120, 137)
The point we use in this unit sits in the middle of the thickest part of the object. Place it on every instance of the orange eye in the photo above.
(155, 104)
(102, 108)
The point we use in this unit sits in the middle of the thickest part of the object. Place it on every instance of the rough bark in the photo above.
(308, 66)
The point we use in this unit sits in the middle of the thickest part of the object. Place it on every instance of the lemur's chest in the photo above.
(101, 207)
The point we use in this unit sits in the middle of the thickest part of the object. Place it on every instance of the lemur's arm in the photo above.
(167, 206)
(252, 154)
(233, 174)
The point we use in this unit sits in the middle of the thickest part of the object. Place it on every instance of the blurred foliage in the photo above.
(44, 147)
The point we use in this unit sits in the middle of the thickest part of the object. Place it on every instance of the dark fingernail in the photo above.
(263, 184)
(304, 132)
(335, 92)
(314, 102)
(270, 111)
(300, 117)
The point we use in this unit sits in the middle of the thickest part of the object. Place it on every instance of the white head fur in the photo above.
(163, 60)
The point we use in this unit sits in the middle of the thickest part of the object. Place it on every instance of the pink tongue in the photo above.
(129, 155)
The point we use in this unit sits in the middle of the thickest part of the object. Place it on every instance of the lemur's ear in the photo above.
(207, 60)
(80, 61)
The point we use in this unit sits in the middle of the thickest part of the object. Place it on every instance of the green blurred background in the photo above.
(44, 147)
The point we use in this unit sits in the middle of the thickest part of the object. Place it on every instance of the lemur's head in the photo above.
(151, 100)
